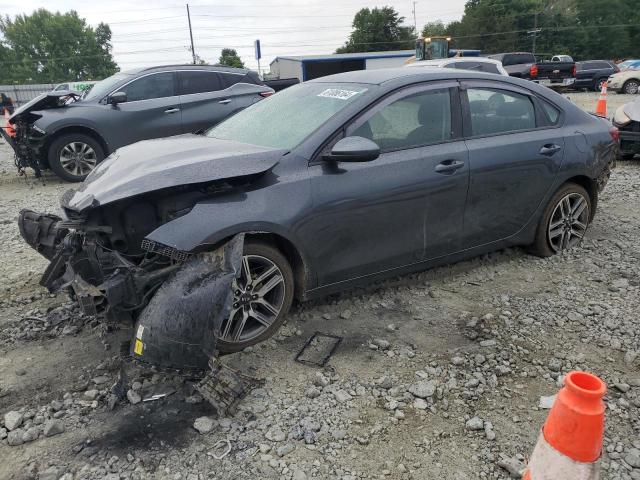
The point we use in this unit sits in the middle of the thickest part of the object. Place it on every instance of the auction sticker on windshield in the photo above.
(338, 93)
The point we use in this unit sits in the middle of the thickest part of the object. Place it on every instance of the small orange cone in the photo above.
(570, 444)
(8, 127)
(601, 106)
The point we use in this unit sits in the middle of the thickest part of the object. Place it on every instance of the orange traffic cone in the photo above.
(8, 127)
(570, 444)
(601, 106)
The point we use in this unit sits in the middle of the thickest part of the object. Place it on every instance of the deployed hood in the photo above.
(632, 110)
(153, 165)
(44, 101)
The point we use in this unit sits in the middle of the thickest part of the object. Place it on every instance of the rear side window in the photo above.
(199, 82)
(157, 85)
(499, 111)
(420, 119)
(518, 58)
(229, 79)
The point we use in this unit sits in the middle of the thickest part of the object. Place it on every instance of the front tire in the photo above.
(262, 297)
(564, 221)
(74, 155)
(631, 87)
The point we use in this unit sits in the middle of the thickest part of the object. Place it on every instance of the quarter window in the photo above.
(499, 111)
(158, 85)
(553, 114)
(419, 119)
(199, 82)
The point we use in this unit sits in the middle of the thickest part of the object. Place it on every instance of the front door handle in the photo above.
(550, 149)
(448, 166)
(225, 101)
(172, 110)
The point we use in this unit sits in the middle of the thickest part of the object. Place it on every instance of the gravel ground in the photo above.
(440, 374)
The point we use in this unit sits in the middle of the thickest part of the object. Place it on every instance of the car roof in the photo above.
(164, 68)
(409, 75)
(442, 61)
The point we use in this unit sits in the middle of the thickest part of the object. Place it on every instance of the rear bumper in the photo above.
(553, 83)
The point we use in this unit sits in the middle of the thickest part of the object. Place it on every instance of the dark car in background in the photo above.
(592, 74)
(71, 134)
(554, 74)
(360, 176)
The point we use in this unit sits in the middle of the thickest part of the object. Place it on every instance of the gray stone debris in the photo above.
(423, 389)
(546, 402)
(133, 397)
(474, 423)
(512, 465)
(13, 420)
(204, 424)
(342, 396)
(53, 427)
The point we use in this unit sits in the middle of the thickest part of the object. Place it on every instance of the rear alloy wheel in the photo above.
(631, 87)
(73, 156)
(564, 221)
(262, 296)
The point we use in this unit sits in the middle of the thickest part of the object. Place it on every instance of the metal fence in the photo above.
(21, 94)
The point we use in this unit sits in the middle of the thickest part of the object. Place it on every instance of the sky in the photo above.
(146, 36)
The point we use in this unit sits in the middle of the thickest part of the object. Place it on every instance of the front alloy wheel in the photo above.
(78, 159)
(569, 222)
(262, 295)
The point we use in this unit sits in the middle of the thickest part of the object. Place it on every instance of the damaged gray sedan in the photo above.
(205, 240)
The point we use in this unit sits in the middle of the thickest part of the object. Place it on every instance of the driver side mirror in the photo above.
(118, 97)
(354, 149)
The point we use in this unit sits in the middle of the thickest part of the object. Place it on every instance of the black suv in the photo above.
(592, 74)
(71, 134)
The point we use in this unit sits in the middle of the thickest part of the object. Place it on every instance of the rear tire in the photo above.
(260, 257)
(73, 156)
(627, 156)
(564, 221)
(597, 85)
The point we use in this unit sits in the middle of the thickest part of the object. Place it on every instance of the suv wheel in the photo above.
(564, 221)
(74, 155)
(631, 87)
(597, 87)
(262, 296)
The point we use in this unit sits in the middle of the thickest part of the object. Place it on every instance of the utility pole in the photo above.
(534, 32)
(415, 23)
(193, 51)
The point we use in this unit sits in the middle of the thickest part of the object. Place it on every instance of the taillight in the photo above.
(615, 134)
(533, 71)
(573, 72)
(267, 94)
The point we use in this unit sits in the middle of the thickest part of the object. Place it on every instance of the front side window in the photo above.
(157, 85)
(420, 119)
(499, 111)
(198, 82)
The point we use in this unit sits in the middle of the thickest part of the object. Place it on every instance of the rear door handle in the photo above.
(225, 101)
(550, 149)
(448, 166)
(172, 110)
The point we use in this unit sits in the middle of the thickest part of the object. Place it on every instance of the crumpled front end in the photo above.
(178, 300)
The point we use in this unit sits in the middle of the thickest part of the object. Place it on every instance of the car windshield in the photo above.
(100, 89)
(285, 119)
(629, 65)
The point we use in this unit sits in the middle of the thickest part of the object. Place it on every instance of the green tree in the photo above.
(47, 47)
(584, 29)
(230, 58)
(378, 29)
(434, 29)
